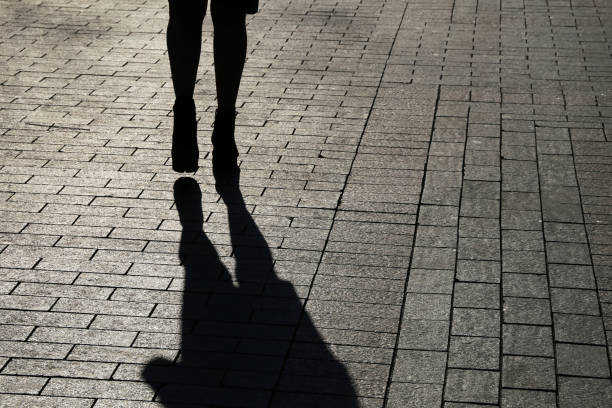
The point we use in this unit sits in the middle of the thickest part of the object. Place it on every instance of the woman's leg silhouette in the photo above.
(184, 45)
(230, 41)
(184, 39)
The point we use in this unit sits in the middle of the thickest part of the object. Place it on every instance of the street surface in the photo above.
(423, 215)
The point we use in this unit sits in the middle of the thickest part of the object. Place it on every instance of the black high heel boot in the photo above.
(185, 151)
(225, 152)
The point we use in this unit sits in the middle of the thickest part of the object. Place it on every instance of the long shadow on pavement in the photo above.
(237, 347)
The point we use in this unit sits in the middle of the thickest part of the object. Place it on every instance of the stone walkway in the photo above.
(423, 218)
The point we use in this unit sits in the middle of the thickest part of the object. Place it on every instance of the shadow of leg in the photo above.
(197, 374)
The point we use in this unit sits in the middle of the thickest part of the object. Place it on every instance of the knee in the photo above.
(187, 15)
(227, 18)
(229, 27)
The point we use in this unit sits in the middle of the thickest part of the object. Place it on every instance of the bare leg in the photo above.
(230, 44)
(184, 45)
(184, 40)
(230, 52)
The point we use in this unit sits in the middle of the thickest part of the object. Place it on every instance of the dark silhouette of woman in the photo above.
(246, 341)
(184, 40)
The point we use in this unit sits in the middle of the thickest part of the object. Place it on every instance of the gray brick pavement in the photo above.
(423, 217)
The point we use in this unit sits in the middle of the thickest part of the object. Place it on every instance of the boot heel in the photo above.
(225, 152)
(185, 151)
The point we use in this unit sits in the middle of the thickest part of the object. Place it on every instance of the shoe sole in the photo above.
(181, 169)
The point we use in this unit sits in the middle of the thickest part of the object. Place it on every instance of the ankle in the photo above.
(225, 113)
(224, 120)
(184, 102)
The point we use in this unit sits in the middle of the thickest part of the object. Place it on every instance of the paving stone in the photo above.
(478, 227)
(483, 173)
(479, 208)
(430, 281)
(118, 354)
(574, 328)
(415, 395)
(438, 215)
(582, 360)
(481, 190)
(432, 236)
(529, 372)
(433, 258)
(564, 232)
(584, 392)
(523, 262)
(518, 152)
(21, 384)
(418, 366)
(522, 240)
(525, 285)
(528, 340)
(106, 389)
(516, 200)
(488, 157)
(526, 398)
(15, 400)
(424, 334)
(107, 403)
(521, 220)
(478, 271)
(83, 336)
(442, 196)
(571, 276)
(574, 301)
(526, 311)
(475, 322)
(60, 368)
(427, 306)
(567, 253)
(15, 332)
(476, 295)
(479, 248)
(550, 133)
(460, 405)
(472, 386)
(474, 352)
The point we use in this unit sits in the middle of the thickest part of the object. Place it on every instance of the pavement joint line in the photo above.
(457, 243)
(597, 290)
(546, 268)
(416, 224)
